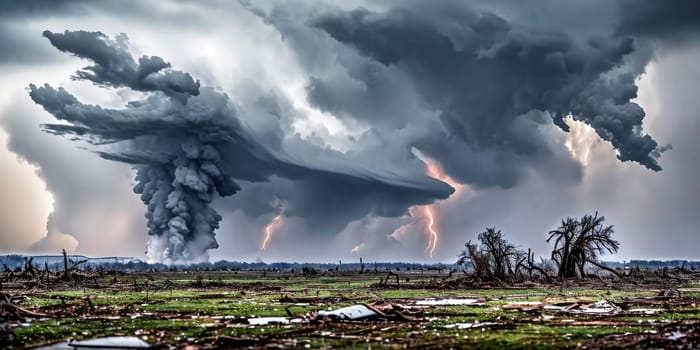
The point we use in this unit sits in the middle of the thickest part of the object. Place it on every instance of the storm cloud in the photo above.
(114, 66)
(187, 146)
(314, 111)
(492, 82)
(658, 20)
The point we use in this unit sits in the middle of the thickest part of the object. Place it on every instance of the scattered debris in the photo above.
(641, 311)
(403, 319)
(602, 307)
(354, 312)
(110, 342)
(100, 343)
(525, 306)
(368, 311)
(263, 321)
(491, 325)
(316, 300)
(676, 335)
(452, 302)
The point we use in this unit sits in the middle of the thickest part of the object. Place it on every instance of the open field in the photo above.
(426, 309)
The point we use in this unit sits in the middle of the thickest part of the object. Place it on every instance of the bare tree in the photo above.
(526, 262)
(476, 258)
(74, 265)
(577, 242)
(494, 258)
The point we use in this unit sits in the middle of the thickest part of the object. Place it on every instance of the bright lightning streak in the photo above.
(269, 229)
(432, 242)
(435, 171)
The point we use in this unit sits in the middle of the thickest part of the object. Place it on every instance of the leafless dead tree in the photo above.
(577, 242)
(494, 258)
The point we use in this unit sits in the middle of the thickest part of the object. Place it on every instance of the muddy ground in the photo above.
(346, 309)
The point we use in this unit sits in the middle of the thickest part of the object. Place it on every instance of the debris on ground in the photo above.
(525, 306)
(354, 312)
(110, 342)
(100, 343)
(367, 311)
(481, 325)
(602, 307)
(264, 321)
(676, 335)
(335, 312)
(452, 302)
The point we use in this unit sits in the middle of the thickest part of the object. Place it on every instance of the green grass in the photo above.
(184, 310)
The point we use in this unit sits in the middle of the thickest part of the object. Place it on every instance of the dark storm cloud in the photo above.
(485, 75)
(493, 84)
(661, 19)
(188, 150)
(328, 202)
(115, 67)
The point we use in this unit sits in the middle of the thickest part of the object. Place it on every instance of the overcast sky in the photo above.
(350, 122)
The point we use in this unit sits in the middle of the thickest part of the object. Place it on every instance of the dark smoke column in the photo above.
(178, 196)
(172, 138)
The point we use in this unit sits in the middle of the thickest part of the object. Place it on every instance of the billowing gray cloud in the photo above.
(188, 148)
(483, 75)
(114, 66)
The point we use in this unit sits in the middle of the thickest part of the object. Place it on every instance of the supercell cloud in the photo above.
(187, 146)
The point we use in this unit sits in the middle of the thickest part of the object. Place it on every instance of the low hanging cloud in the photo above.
(188, 145)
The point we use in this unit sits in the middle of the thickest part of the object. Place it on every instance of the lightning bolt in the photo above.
(435, 171)
(432, 241)
(269, 229)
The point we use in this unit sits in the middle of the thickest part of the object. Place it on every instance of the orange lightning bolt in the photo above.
(435, 171)
(269, 229)
(432, 241)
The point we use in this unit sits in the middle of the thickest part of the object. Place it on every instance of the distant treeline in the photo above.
(55, 262)
(655, 264)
